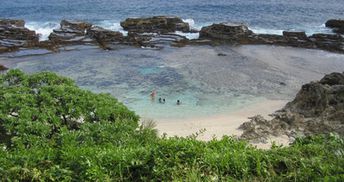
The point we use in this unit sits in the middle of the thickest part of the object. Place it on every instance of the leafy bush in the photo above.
(50, 130)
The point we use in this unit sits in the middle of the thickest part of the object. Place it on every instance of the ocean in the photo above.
(262, 16)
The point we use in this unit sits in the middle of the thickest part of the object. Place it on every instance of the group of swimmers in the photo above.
(161, 100)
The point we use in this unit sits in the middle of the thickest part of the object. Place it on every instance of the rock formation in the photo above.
(158, 31)
(238, 33)
(156, 24)
(226, 32)
(2, 68)
(317, 108)
(71, 32)
(336, 25)
(104, 37)
(14, 35)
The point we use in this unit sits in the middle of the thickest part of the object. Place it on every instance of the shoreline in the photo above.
(219, 125)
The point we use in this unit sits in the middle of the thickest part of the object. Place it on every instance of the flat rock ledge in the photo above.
(318, 108)
(239, 33)
(159, 31)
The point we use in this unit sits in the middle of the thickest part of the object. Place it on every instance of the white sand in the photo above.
(218, 126)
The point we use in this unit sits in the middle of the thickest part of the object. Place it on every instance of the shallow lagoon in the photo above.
(208, 80)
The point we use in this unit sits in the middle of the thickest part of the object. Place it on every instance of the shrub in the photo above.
(50, 130)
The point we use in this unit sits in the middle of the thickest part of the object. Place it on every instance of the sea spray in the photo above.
(43, 28)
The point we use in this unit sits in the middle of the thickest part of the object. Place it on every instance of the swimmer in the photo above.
(178, 102)
(163, 100)
(153, 94)
(160, 100)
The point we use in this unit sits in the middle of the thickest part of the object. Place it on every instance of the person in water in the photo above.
(153, 94)
(163, 101)
(160, 100)
(178, 102)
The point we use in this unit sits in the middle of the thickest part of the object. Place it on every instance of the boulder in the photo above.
(226, 31)
(323, 99)
(333, 79)
(3, 68)
(156, 24)
(336, 24)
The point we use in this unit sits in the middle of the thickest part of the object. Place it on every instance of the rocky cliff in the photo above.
(317, 108)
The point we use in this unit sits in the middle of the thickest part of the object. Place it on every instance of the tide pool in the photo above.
(206, 84)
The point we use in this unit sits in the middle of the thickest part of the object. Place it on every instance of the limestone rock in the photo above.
(104, 37)
(14, 35)
(156, 24)
(2, 68)
(328, 42)
(71, 32)
(75, 25)
(226, 31)
(336, 24)
(318, 108)
(10, 22)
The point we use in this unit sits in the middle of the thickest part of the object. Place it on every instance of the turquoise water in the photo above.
(205, 83)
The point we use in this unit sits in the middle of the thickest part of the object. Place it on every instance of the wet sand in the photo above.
(218, 125)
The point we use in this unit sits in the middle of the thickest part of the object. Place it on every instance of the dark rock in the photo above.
(333, 79)
(104, 36)
(282, 83)
(14, 35)
(336, 25)
(234, 32)
(9, 22)
(318, 108)
(328, 42)
(267, 39)
(75, 25)
(137, 39)
(311, 100)
(3, 68)
(327, 37)
(295, 35)
(71, 32)
(156, 24)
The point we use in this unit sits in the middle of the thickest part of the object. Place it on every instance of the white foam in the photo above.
(188, 35)
(42, 28)
(259, 30)
(190, 21)
(309, 30)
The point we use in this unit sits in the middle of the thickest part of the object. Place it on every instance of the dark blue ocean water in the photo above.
(268, 16)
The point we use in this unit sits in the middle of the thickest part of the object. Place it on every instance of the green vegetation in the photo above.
(50, 130)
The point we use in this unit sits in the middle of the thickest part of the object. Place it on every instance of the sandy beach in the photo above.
(220, 125)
